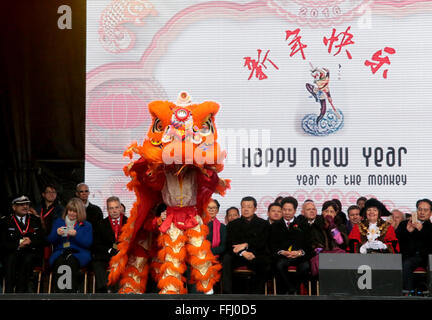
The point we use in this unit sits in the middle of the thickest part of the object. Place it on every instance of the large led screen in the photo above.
(319, 99)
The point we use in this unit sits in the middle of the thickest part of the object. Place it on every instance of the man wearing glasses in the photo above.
(415, 240)
(49, 209)
(93, 212)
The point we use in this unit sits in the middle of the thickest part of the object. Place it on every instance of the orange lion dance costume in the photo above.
(178, 165)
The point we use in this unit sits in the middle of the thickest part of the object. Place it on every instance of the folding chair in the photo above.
(244, 271)
(82, 271)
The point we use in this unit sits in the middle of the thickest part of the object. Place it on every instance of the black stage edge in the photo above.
(196, 306)
(201, 297)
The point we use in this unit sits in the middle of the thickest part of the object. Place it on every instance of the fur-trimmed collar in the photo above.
(381, 225)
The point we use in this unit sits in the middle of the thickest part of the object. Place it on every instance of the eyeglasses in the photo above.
(83, 191)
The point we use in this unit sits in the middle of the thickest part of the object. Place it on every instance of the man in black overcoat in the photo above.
(289, 248)
(106, 237)
(93, 212)
(247, 246)
(415, 241)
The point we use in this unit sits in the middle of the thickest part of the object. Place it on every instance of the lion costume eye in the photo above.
(207, 127)
(157, 126)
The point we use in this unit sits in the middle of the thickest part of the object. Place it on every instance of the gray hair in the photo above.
(81, 184)
(112, 199)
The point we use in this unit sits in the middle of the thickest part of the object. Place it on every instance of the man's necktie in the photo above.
(116, 227)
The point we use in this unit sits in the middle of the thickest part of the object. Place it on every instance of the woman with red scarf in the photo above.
(216, 236)
(217, 230)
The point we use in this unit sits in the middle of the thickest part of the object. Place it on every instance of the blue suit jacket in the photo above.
(80, 244)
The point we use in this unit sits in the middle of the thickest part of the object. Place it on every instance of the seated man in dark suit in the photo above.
(93, 212)
(289, 247)
(21, 243)
(232, 213)
(274, 212)
(106, 235)
(247, 246)
(415, 241)
(354, 217)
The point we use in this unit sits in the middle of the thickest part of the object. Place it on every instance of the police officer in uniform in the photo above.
(21, 244)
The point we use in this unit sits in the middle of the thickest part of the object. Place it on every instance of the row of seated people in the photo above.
(270, 247)
(49, 236)
(52, 236)
(246, 240)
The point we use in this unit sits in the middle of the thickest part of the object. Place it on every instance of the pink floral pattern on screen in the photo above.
(113, 36)
(116, 115)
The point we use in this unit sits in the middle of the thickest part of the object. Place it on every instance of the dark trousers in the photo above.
(409, 264)
(260, 265)
(289, 282)
(65, 281)
(18, 268)
(100, 269)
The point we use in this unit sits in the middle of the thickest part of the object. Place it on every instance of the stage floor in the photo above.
(200, 297)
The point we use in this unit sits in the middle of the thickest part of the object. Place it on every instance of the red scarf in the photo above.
(182, 217)
(216, 233)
